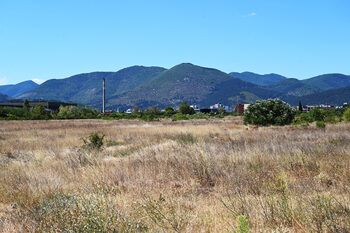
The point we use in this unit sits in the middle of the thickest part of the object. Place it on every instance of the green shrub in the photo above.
(242, 225)
(119, 115)
(331, 119)
(153, 111)
(148, 117)
(317, 114)
(331, 116)
(73, 112)
(269, 112)
(320, 124)
(67, 112)
(222, 111)
(346, 115)
(185, 108)
(179, 117)
(169, 111)
(88, 113)
(39, 113)
(94, 141)
(198, 116)
(302, 119)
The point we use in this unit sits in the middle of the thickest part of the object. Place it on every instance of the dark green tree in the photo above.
(39, 112)
(169, 111)
(185, 108)
(68, 112)
(135, 109)
(26, 105)
(269, 112)
(300, 108)
(317, 114)
(153, 110)
(39, 109)
(346, 115)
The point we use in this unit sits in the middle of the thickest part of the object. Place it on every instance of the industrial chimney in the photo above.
(103, 96)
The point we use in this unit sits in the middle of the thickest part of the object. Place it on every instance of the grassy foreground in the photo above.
(213, 175)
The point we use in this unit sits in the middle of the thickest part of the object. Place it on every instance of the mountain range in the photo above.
(258, 79)
(333, 96)
(148, 86)
(87, 88)
(15, 90)
(187, 82)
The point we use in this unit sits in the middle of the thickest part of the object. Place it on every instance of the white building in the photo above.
(246, 106)
(219, 106)
(195, 107)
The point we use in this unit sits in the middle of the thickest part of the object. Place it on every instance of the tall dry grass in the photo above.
(191, 176)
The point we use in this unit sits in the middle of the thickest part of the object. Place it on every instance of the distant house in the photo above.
(219, 106)
(326, 107)
(195, 107)
(240, 108)
(48, 105)
(308, 108)
(246, 106)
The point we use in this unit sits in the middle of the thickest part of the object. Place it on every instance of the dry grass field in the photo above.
(190, 176)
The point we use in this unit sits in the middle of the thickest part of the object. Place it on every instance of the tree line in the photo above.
(262, 113)
(39, 112)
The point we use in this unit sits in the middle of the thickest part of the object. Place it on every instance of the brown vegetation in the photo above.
(191, 176)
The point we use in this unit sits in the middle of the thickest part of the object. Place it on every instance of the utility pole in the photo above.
(103, 96)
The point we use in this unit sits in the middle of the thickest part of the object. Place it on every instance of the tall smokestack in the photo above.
(103, 96)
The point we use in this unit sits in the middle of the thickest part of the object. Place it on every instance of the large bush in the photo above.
(269, 112)
(317, 114)
(153, 111)
(39, 113)
(185, 108)
(68, 112)
(346, 115)
(73, 112)
(169, 111)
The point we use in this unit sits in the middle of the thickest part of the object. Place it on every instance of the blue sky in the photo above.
(42, 39)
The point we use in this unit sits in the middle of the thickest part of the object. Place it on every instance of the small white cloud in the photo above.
(251, 14)
(3, 81)
(38, 81)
